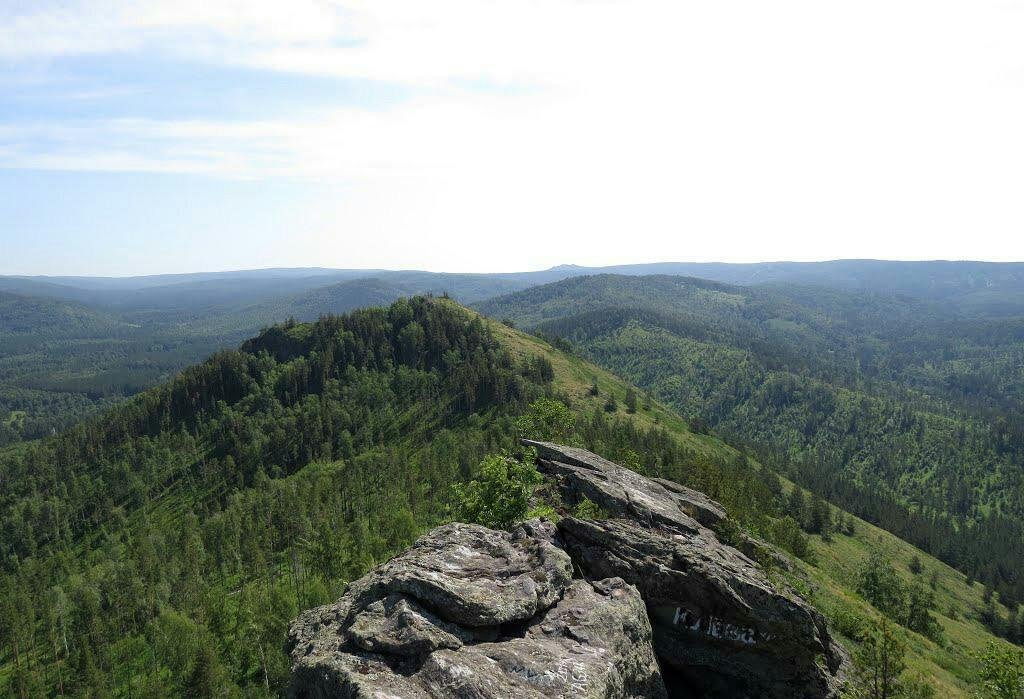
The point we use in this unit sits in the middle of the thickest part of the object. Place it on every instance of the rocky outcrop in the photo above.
(660, 607)
(624, 493)
(718, 621)
(472, 612)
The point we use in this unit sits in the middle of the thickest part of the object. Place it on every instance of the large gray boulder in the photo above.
(475, 613)
(718, 621)
(474, 576)
(722, 626)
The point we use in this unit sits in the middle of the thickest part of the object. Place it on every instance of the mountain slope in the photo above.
(47, 318)
(61, 360)
(990, 288)
(162, 548)
(169, 322)
(199, 515)
(34, 331)
(890, 406)
(66, 359)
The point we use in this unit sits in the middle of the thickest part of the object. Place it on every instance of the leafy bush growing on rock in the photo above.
(500, 495)
(588, 509)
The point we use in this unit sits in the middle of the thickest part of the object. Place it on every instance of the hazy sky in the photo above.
(184, 135)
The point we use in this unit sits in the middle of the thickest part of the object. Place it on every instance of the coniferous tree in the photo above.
(879, 662)
(796, 507)
(880, 585)
(630, 400)
(819, 517)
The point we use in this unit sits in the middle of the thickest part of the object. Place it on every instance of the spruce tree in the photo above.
(630, 400)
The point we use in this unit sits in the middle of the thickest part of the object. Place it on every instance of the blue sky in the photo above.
(154, 136)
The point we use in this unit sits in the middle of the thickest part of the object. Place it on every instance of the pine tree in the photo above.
(630, 400)
(208, 677)
(796, 507)
(819, 517)
(920, 603)
(879, 663)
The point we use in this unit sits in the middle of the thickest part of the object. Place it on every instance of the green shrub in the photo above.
(1002, 672)
(546, 419)
(786, 533)
(847, 620)
(500, 495)
(588, 509)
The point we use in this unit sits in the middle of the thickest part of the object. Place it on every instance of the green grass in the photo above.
(16, 419)
(575, 376)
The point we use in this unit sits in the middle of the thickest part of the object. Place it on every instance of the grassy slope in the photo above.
(951, 669)
(574, 377)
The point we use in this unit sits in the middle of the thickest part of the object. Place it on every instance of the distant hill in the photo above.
(907, 414)
(47, 317)
(988, 288)
(71, 350)
(234, 290)
(120, 335)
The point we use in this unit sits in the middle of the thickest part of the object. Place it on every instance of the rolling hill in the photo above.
(53, 374)
(896, 408)
(988, 288)
(70, 351)
(40, 317)
(162, 547)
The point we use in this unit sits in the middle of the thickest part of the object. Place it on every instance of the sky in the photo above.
(157, 136)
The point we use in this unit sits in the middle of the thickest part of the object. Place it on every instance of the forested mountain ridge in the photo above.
(987, 288)
(32, 331)
(904, 413)
(875, 341)
(61, 360)
(142, 539)
(993, 289)
(40, 317)
(160, 549)
(53, 376)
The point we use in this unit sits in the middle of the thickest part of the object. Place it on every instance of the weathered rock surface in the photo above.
(718, 621)
(474, 576)
(625, 493)
(471, 612)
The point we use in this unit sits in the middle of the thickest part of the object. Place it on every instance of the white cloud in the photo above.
(837, 126)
